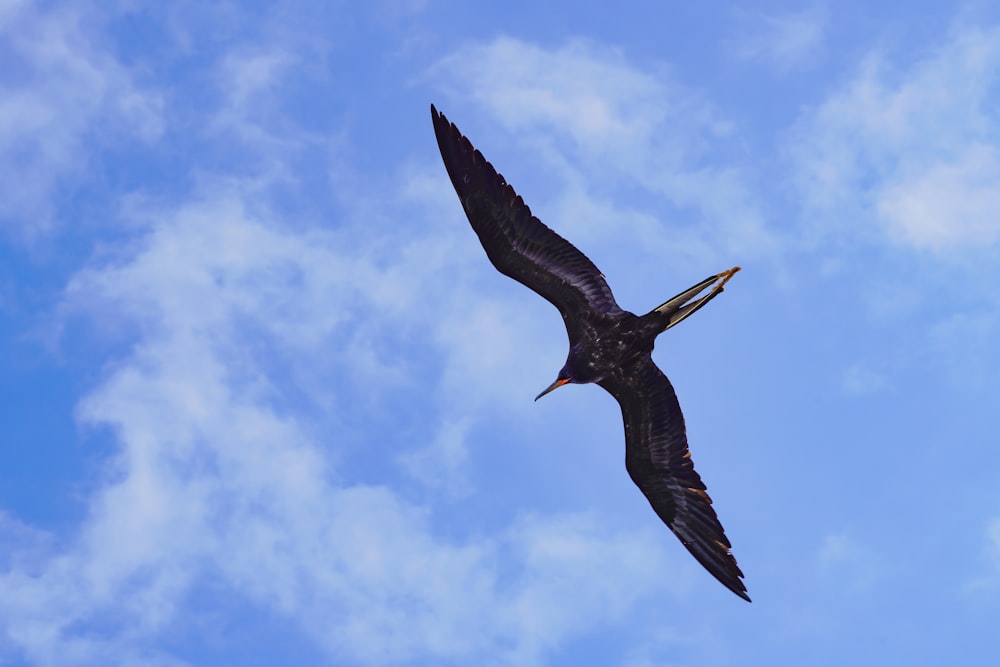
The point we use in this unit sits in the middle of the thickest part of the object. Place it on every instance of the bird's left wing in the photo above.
(658, 461)
(518, 244)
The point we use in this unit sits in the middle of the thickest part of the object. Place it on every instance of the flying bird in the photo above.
(607, 345)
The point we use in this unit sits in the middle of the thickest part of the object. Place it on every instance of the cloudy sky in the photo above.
(266, 402)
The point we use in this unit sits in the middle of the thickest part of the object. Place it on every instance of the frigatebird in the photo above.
(607, 345)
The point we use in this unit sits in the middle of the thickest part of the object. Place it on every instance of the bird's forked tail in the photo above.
(681, 306)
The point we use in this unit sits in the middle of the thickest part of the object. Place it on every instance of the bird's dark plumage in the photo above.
(608, 345)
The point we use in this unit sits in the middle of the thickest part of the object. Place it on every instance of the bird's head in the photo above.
(563, 378)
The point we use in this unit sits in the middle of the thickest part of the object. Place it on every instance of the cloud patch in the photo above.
(909, 153)
(785, 41)
(584, 104)
(61, 91)
(224, 315)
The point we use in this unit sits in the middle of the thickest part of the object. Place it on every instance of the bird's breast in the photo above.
(605, 349)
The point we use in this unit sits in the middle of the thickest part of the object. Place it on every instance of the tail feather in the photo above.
(681, 307)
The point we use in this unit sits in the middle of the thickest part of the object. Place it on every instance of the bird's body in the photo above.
(608, 346)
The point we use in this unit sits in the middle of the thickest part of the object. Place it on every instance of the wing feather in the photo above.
(518, 244)
(658, 461)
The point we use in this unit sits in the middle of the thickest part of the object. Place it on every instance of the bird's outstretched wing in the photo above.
(518, 244)
(658, 461)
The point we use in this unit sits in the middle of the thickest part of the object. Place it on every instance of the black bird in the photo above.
(607, 345)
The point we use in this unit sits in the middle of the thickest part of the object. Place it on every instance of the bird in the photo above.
(608, 345)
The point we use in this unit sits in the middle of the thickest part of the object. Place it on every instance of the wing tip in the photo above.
(728, 571)
(729, 575)
(735, 584)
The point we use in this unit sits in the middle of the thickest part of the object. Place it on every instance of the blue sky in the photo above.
(266, 402)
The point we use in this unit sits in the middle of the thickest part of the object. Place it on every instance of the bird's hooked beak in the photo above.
(555, 385)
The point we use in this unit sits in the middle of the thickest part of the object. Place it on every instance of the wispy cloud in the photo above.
(311, 394)
(441, 463)
(990, 579)
(993, 534)
(854, 567)
(216, 476)
(62, 90)
(950, 204)
(911, 149)
(860, 379)
(962, 342)
(584, 104)
(788, 41)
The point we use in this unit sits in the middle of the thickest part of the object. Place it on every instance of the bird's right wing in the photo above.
(658, 461)
(518, 244)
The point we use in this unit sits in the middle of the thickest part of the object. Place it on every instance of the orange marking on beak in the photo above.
(554, 385)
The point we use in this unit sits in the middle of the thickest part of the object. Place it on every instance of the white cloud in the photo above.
(251, 84)
(218, 476)
(20, 544)
(254, 354)
(908, 153)
(991, 579)
(860, 379)
(60, 89)
(950, 204)
(583, 90)
(962, 343)
(441, 463)
(600, 123)
(786, 41)
(853, 567)
(993, 535)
